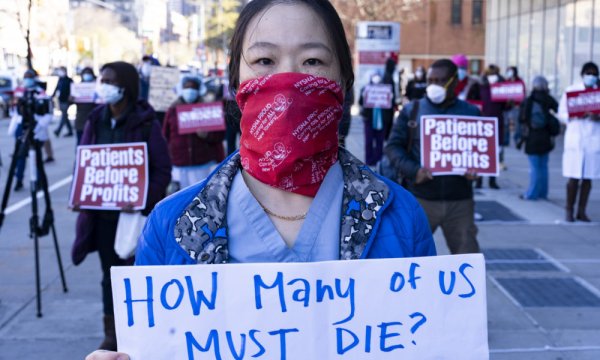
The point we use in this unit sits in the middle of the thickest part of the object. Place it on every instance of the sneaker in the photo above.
(49, 160)
(19, 185)
(69, 134)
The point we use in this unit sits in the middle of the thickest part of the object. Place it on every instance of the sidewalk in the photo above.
(543, 274)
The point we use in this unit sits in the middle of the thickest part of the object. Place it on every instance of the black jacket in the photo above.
(537, 134)
(447, 187)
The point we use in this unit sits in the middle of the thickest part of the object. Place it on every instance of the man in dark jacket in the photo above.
(123, 119)
(447, 200)
(63, 89)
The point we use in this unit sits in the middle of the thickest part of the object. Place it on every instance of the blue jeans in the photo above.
(538, 177)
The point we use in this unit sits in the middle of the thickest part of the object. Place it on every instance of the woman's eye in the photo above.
(264, 61)
(313, 62)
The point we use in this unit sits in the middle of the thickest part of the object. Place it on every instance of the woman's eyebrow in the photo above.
(304, 46)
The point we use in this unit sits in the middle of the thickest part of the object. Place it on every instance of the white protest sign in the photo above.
(84, 92)
(163, 82)
(413, 308)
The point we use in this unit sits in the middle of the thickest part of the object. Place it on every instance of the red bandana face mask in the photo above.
(290, 130)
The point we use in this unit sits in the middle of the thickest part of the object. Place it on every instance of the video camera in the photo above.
(30, 105)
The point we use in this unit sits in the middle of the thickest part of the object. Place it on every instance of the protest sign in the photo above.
(378, 96)
(455, 144)
(84, 92)
(507, 91)
(163, 85)
(200, 117)
(412, 308)
(579, 103)
(111, 176)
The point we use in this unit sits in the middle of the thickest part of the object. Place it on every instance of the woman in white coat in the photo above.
(581, 156)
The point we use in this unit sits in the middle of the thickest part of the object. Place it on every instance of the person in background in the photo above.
(84, 109)
(537, 127)
(344, 128)
(63, 89)
(121, 119)
(145, 72)
(467, 88)
(511, 114)
(388, 78)
(581, 154)
(193, 155)
(415, 89)
(493, 109)
(374, 122)
(448, 199)
(42, 121)
(288, 213)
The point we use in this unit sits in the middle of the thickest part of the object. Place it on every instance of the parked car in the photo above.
(7, 87)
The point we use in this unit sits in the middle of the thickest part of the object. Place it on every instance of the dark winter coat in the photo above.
(138, 124)
(190, 149)
(538, 126)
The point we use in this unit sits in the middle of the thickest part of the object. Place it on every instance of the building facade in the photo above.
(553, 38)
(441, 28)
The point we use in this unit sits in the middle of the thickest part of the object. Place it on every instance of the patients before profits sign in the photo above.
(412, 308)
(459, 144)
(581, 103)
(109, 177)
(200, 117)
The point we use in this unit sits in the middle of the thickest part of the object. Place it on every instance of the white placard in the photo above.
(163, 84)
(413, 308)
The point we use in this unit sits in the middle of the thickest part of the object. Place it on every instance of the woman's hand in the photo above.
(75, 207)
(471, 176)
(202, 134)
(107, 355)
(423, 175)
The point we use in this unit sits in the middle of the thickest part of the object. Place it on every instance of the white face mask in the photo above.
(509, 74)
(436, 93)
(189, 95)
(461, 73)
(111, 94)
(492, 79)
(419, 74)
(590, 80)
(376, 79)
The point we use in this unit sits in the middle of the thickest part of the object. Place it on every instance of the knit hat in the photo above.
(460, 60)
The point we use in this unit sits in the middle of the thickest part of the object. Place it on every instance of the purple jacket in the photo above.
(140, 118)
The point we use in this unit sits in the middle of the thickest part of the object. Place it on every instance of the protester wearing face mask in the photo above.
(581, 156)
(511, 114)
(193, 155)
(84, 108)
(447, 200)
(467, 88)
(42, 121)
(493, 109)
(537, 128)
(63, 89)
(415, 89)
(373, 119)
(290, 194)
(121, 119)
(145, 72)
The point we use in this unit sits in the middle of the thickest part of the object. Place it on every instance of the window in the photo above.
(477, 14)
(456, 12)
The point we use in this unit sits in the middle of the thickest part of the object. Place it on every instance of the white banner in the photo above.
(413, 308)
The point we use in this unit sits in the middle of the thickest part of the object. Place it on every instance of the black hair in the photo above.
(192, 79)
(515, 71)
(446, 64)
(88, 70)
(128, 78)
(589, 66)
(322, 8)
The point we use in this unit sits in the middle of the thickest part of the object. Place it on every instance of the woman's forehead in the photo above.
(286, 24)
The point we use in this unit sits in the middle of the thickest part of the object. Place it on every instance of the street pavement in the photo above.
(543, 279)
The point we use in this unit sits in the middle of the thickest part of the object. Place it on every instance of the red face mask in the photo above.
(290, 130)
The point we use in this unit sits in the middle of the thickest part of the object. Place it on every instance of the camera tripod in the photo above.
(27, 144)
